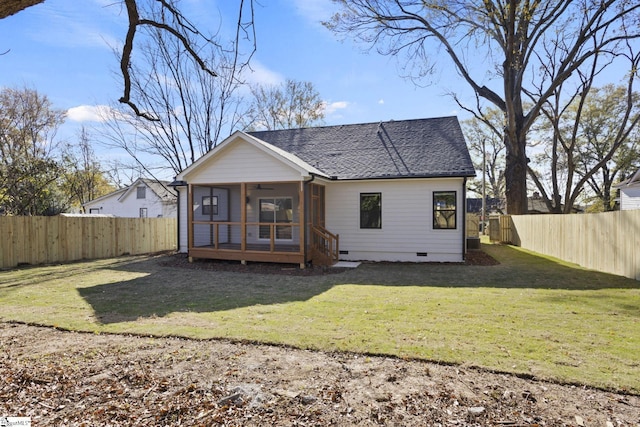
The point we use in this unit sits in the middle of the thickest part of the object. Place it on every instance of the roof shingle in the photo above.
(408, 148)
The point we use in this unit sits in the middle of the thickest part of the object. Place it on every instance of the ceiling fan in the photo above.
(260, 187)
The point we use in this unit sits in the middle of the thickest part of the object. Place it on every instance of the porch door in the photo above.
(317, 205)
(276, 210)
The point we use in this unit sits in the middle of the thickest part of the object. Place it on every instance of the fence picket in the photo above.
(606, 242)
(38, 240)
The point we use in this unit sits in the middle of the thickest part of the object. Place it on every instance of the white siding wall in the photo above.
(407, 221)
(241, 162)
(183, 246)
(629, 198)
(129, 206)
(108, 205)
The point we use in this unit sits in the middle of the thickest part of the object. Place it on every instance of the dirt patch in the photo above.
(478, 257)
(66, 378)
(475, 257)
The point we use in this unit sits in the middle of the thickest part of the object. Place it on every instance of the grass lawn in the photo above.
(529, 315)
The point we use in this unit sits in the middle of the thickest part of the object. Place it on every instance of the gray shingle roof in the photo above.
(162, 190)
(407, 148)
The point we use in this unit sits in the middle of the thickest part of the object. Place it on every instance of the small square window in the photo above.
(370, 210)
(444, 210)
(143, 212)
(210, 205)
(142, 192)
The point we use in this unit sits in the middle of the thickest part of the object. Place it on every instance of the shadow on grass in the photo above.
(165, 289)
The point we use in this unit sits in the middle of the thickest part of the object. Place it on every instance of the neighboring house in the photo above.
(630, 192)
(537, 205)
(493, 205)
(388, 191)
(144, 198)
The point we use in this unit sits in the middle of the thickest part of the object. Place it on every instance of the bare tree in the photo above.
(166, 17)
(485, 139)
(514, 38)
(191, 110)
(593, 138)
(292, 104)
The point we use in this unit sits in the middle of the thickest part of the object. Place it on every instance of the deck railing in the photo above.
(325, 245)
(258, 236)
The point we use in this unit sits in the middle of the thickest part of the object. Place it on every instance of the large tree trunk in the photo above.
(516, 175)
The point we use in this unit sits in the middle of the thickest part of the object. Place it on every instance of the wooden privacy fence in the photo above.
(44, 240)
(607, 242)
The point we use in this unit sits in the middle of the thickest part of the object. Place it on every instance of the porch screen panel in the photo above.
(210, 206)
(277, 210)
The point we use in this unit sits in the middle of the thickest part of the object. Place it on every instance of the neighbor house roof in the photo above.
(394, 149)
(633, 181)
(161, 188)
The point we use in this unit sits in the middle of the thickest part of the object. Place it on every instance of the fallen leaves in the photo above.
(60, 378)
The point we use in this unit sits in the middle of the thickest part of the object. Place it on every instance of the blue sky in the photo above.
(64, 51)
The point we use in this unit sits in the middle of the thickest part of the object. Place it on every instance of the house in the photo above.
(537, 205)
(144, 198)
(388, 191)
(629, 192)
(493, 205)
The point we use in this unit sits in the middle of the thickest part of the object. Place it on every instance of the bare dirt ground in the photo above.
(72, 379)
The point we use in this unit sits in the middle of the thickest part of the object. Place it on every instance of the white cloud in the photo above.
(261, 75)
(315, 10)
(333, 107)
(89, 113)
(381, 101)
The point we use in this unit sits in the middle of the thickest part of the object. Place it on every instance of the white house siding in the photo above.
(183, 226)
(241, 162)
(129, 206)
(407, 221)
(630, 198)
(106, 205)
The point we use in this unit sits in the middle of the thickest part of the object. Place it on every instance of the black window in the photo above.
(444, 209)
(370, 210)
(210, 205)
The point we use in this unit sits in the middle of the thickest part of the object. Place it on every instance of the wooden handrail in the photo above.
(326, 243)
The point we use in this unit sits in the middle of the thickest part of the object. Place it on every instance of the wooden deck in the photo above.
(281, 253)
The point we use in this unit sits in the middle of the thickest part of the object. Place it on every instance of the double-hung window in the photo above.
(370, 210)
(444, 210)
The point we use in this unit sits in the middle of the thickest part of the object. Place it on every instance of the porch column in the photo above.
(303, 225)
(243, 216)
(189, 220)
